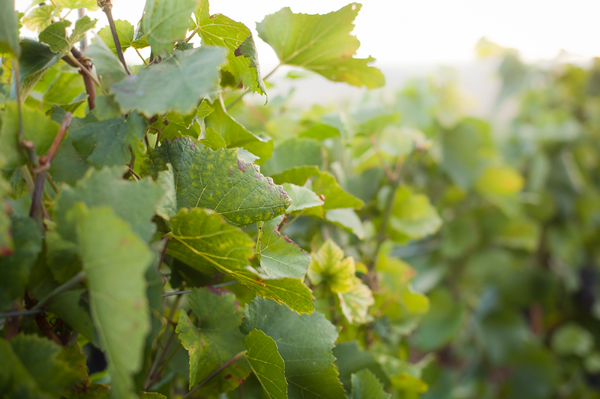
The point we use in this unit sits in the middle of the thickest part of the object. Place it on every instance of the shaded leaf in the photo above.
(304, 342)
(295, 152)
(34, 61)
(106, 62)
(366, 386)
(191, 75)
(9, 28)
(351, 359)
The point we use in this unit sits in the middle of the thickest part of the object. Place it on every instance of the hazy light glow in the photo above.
(426, 31)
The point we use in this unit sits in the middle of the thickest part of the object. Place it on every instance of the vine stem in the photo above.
(190, 291)
(214, 373)
(78, 278)
(84, 69)
(107, 9)
(21, 313)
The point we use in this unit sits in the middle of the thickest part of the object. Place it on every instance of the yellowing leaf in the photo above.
(328, 266)
(500, 180)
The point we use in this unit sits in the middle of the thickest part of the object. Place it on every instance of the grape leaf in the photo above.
(280, 256)
(351, 359)
(91, 5)
(131, 201)
(15, 268)
(302, 198)
(267, 364)
(9, 28)
(37, 128)
(165, 22)
(213, 139)
(320, 43)
(355, 302)
(217, 180)
(190, 74)
(34, 61)
(125, 32)
(304, 342)
(347, 219)
(328, 266)
(215, 341)
(236, 135)
(32, 367)
(178, 125)
(108, 142)
(335, 197)
(298, 175)
(205, 242)
(152, 395)
(107, 64)
(293, 153)
(55, 35)
(39, 17)
(242, 60)
(121, 316)
(366, 386)
(413, 216)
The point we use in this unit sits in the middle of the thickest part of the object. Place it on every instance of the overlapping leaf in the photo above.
(9, 28)
(280, 256)
(218, 180)
(366, 386)
(166, 22)
(267, 364)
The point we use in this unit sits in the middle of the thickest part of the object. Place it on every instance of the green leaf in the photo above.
(131, 201)
(178, 125)
(108, 142)
(69, 165)
(9, 28)
(218, 180)
(571, 339)
(190, 74)
(236, 135)
(34, 61)
(32, 368)
(441, 324)
(37, 128)
(304, 342)
(152, 395)
(335, 197)
(125, 32)
(355, 303)
(320, 43)
(121, 316)
(91, 5)
(215, 341)
(366, 386)
(348, 219)
(293, 153)
(167, 206)
(328, 266)
(66, 306)
(15, 269)
(165, 22)
(302, 198)
(280, 256)
(213, 139)
(107, 64)
(204, 241)
(242, 60)
(267, 364)
(413, 215)
(56, 36)
(204, 109)
(39, 17)
(298, 175)
(351, 359)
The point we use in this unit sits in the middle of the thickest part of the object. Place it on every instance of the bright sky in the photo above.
(427, 31)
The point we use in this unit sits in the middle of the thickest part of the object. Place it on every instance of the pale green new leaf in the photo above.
(280, 256)
(131, 201)
(348, 219)
(355, 303)
(191, 75)
(114, 266)
(106, 62)
(216, 340)
(56, 36)
(267, 364)
(242, 60)
(413, 215)
(366, 386)
(39, 17)
(125, 32)
(298, 175)
(165, 22)
(320, 43)
(302, 198)
(15, 268)
(328, 266)
(9, 28)
(335, 197)
(178, 125)
(218, 180)
(304, 342)
(205, 242)
(91, 5)
(37, 128)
